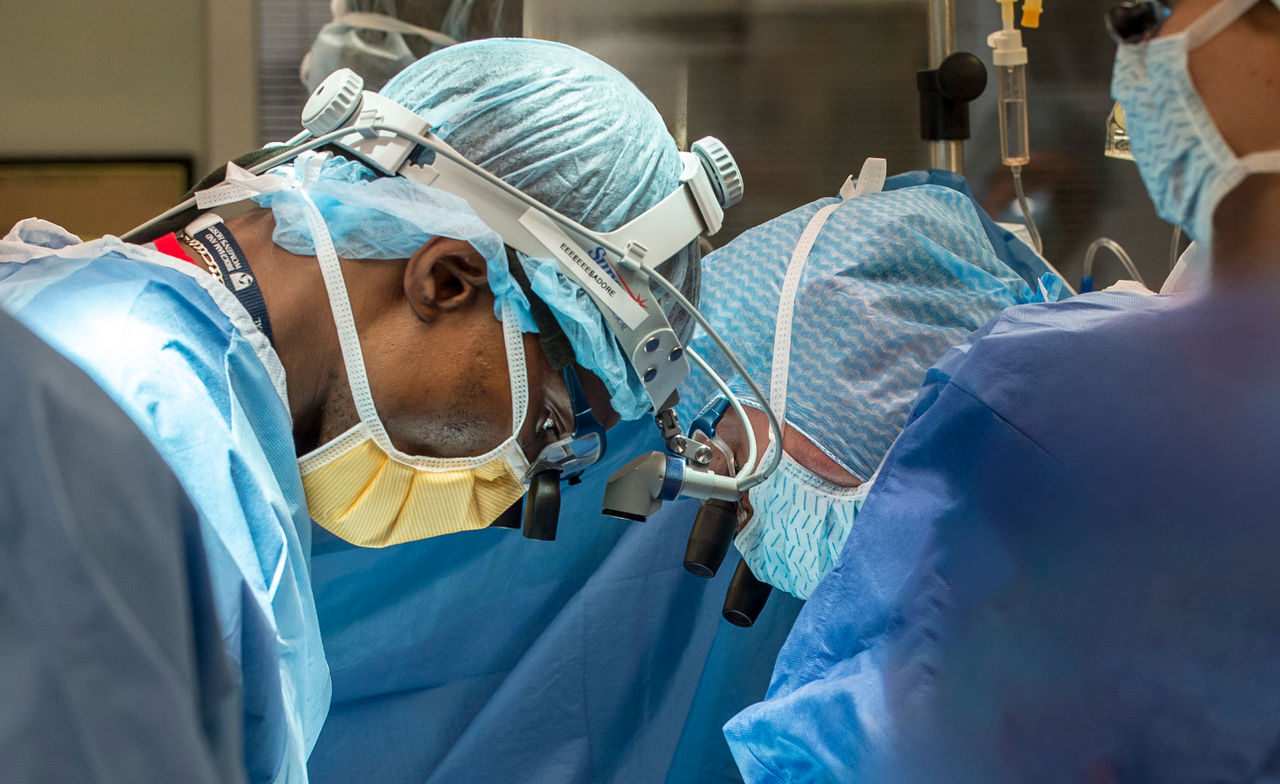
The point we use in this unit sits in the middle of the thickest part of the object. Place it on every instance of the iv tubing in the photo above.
(1030, 220)
(1173, 248)
(1120, 253)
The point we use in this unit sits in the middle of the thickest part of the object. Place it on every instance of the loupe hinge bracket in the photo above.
(695, 452)
(677, 443)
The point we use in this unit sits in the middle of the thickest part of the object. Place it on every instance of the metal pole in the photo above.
(947, 155)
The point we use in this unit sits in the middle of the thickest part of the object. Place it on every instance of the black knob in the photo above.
(746, 597)
(542, 506)
(709, 541)
(945, 94)
(1134, 21)
(962, 77)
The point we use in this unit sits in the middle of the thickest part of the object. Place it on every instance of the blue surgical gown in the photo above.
(486, 657)
(1066, 569)
(173, 349)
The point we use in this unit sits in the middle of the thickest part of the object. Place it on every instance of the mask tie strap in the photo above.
(353, 356)
(1215, 20)
(344, 320)
(870, 180)
(1262, 162)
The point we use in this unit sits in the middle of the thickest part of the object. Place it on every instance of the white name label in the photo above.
(590, 270)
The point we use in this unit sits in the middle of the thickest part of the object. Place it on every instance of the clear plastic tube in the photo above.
(1027, 216)
(1015, 144)
(1174, 247)
(1126, 260)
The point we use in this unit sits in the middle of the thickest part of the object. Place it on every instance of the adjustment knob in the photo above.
(722, 170)
(336, 99)
(962, 77)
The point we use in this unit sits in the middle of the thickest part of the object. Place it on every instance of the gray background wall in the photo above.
(801, 90)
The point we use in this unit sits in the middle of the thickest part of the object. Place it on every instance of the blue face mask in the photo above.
(800, 524)
(1187, 166)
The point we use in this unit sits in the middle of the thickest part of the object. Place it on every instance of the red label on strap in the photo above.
(169, 245)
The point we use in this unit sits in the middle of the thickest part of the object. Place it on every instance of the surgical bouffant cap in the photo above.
(893, 281)
(555, 122)
(561, 125)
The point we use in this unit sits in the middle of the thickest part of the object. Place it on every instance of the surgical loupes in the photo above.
(717, 520)
(563, 460)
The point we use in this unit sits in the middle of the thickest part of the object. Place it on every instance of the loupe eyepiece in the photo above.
(709, 541)
(542, 506)
(511, 518)
(745, 598)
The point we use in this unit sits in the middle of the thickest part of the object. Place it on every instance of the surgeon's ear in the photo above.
(444, 275)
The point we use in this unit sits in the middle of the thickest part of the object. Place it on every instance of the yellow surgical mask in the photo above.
(365, 491)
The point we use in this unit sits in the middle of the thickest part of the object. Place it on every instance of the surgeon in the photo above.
(357, 353)
(1084, 497)
(485, 657)
(851, 299)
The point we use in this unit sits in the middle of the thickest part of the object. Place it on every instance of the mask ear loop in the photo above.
(358, 380)
(517, 370)
(748, 594)
(344, 319)
(870, 181)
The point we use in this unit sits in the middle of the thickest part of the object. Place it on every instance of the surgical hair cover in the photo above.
(562, 126)
(893, 281)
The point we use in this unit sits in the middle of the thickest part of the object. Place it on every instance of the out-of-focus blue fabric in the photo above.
(112, 657)
(1073, 546)
(175, 350)
(486, 657)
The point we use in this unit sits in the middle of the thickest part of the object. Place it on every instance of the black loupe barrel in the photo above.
(746, 597)
(709, 541)
(510, 518)
(542, 506)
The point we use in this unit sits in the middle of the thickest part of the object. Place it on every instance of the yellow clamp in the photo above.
(1031, 10)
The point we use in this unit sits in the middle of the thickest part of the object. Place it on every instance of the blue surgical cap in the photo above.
(578, 136)
(555, 122)
(559, 124)
(893, 281)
